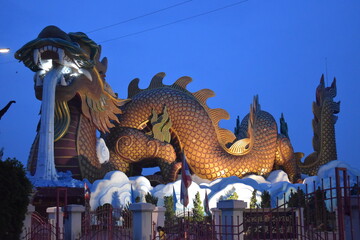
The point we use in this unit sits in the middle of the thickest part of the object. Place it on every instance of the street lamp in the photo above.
(4, 50)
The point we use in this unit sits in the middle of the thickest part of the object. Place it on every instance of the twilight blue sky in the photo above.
(277, 49)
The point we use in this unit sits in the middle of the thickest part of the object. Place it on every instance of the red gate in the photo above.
(107, 223)
(330, 212)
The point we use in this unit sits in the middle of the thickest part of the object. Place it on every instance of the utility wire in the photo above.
(174, 22)
(156, 27)
(138, 17)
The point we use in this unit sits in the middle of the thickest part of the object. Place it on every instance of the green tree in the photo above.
(253, 201)
(265, 200)
(198, 210)
(297, 199)
(150, 199)
(233, 196)
(15, 190)
(169, 209)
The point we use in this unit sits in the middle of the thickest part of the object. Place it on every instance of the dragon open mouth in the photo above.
(48, 56)
(54, 47)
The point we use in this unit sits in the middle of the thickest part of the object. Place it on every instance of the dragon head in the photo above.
(83, 74)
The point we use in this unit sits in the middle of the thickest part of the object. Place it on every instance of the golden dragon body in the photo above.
(151, 128)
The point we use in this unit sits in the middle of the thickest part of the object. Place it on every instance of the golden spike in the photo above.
(218, 114)
(156, 81)
(203, 94)
(226, 136)
(182, 82)
(133, 88)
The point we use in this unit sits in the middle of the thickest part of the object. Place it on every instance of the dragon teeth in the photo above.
(63, 82)
(86, 73)
(36, 56)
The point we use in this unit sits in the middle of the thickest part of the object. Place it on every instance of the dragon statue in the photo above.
(153, 127)
(324, 142)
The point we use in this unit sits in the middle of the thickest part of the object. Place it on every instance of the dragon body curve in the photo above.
(203, 142)
(153, 127)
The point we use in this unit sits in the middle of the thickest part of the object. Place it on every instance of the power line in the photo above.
(138, 17)
(174, 22)
(160, 26)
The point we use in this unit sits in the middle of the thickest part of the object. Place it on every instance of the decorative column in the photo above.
(45, 165)
(352, 221)
(27, 220)
(216, 216)
(142, 220)
(232, 212)
(72, 226)
(55, 216)
(158, 216)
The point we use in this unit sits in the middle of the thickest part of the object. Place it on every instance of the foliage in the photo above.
(14, 191)
(297, 199)
(230, 195)
(233, 196)
(169, 209)
(151, 199)
(198, 210)
(355, 189)
(265, 200)
(317, 212)
(253, 201)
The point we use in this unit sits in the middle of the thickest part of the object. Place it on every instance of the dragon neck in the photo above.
(327, 134)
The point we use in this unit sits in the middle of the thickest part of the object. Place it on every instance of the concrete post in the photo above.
(216, 216)
(27, 220)
(72, 225)
(232, 212)
(53, 215)
(142, 220)
(352, 223)
(158, 216)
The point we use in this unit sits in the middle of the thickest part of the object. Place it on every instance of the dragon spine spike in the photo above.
(182, 83)
(133, 87)
(157, 81)
(203, 95)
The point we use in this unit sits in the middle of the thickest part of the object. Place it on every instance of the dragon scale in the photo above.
(196, 127)
(155, 125)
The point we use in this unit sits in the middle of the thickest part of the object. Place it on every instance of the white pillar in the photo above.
(231, 217)
(53, 215)
(142, 220)
(45, 166)
(352, 223)
(216, 216)
(158, 216)
(72, 226)
(27, 220)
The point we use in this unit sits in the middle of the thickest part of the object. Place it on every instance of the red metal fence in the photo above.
(330, 212)
(42, 229)
(106, 223)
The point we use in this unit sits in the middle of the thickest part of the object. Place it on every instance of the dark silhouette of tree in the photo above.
(265, 200)
(15, 189)
(4, 110)
(297, 199)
